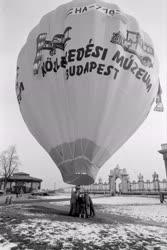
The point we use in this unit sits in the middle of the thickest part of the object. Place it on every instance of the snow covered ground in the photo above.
(94, 235)
(138, 223)
(6, 245)
(57, 196)
(126, 200)
(138, 207)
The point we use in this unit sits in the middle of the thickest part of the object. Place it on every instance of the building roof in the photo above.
(21, 173)
(21, 176)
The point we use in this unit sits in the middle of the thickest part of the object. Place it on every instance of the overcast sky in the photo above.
(139, 153)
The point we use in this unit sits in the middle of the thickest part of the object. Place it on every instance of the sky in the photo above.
(139, 154)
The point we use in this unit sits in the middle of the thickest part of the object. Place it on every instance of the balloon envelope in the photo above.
(86, 79)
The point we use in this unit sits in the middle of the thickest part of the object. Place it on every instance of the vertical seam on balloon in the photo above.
(68, 106)
(106, 101)
(90, 88)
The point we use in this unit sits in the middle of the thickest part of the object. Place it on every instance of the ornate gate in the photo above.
(118, 173)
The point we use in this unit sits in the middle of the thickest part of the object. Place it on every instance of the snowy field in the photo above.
(57, 196)
(120, 223)
(143, 208)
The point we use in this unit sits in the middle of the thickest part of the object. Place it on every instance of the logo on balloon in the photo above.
(133, 43)
(59, 41)
(84, 9)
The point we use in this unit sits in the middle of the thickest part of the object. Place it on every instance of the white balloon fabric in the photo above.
(86, 80)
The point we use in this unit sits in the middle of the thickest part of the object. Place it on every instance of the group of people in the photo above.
(81, 204)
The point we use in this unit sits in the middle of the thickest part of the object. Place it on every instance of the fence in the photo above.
(135, 187)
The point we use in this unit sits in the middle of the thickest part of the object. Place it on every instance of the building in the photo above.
(21, 183)
(119, 183)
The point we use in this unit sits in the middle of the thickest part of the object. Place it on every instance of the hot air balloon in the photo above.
(87, 77)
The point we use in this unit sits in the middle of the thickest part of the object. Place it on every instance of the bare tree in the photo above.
(9, 163)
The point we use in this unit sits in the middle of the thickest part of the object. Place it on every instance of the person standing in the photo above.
(78, 200)
(87, 204)
(73, 203)
(161, 196)
(92, 210)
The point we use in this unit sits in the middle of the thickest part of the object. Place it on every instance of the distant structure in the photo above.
(125, 186)
(163, 151)
(21, 183)
(116, 174)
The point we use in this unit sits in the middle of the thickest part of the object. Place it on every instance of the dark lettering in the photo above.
(43, 70)
(128, 63)
(116, 73)
(48, 65)
(89, 49)
(86, 69)
(67, 74)
(79, 10)
(93, 65)
(97, 51)
(79, 70)
(84, 9)
(72, 70)
(71, 55)
(134, 68)
(108, 72)
(80, 54)
(104, 54)
(100, 68)
(119, 59)
(63, 62)
(139, 73)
